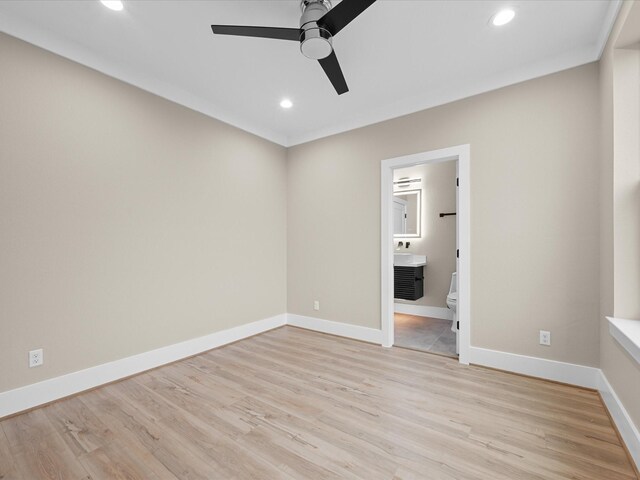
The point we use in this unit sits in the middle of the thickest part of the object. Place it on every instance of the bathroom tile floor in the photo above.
(431, 335)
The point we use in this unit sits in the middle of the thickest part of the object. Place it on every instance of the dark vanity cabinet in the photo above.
(408, 282)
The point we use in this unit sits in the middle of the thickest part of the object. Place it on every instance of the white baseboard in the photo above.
(423, 311)
(356, 332)
(628, 431)
(24, 398)
(580, 375)
(573, 374)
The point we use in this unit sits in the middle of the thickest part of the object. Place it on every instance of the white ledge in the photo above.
(627, 333)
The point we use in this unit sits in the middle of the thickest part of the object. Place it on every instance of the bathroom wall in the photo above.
(618, 217)
(534, 222)
(438, 235)
(127, 222)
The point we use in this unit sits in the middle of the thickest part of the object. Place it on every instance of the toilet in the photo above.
(452, 303)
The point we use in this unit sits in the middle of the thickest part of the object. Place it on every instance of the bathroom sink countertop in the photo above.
(409, 260)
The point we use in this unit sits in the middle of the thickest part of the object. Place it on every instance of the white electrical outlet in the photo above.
(36, 358)
(316, 305)
(545, 337)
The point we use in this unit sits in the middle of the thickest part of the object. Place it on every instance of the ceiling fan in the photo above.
(319, 23)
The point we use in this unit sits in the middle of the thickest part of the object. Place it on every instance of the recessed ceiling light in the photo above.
(503, 17)
(113, 4)
(286, 103)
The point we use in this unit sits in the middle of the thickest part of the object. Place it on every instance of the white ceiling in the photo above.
(399, 56)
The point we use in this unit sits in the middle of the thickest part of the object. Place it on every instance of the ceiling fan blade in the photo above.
(342, 14)
(277, 33)
(332, 68)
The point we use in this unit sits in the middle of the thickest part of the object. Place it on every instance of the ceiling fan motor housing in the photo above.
(315, 41)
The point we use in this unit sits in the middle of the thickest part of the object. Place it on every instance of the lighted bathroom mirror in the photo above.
(406, 213)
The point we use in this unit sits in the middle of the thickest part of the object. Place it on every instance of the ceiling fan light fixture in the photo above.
(286, 103)
(116, 5)
(315, 43)
(318, 25)
(503, 17)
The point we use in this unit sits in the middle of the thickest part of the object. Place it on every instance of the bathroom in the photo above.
(425, 284)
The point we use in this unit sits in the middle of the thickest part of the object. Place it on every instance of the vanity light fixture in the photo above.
(405, 182)
(503, 17)
(116, 5)
(286, 103)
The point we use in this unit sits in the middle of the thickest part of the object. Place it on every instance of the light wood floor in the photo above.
(293, 404)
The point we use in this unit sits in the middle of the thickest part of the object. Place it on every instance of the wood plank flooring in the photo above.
(293, 404)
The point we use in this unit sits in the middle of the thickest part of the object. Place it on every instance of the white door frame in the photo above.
(461, 153)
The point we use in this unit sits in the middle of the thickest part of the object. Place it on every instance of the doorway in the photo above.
(424, 234)
(461, 155)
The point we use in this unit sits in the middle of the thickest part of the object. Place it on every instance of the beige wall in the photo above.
(534, 200)
(616, 278)
(438, 235)
(127, 222)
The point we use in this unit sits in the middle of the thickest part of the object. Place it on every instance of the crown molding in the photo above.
(607, 27)
(16, 27)
(452, 93)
